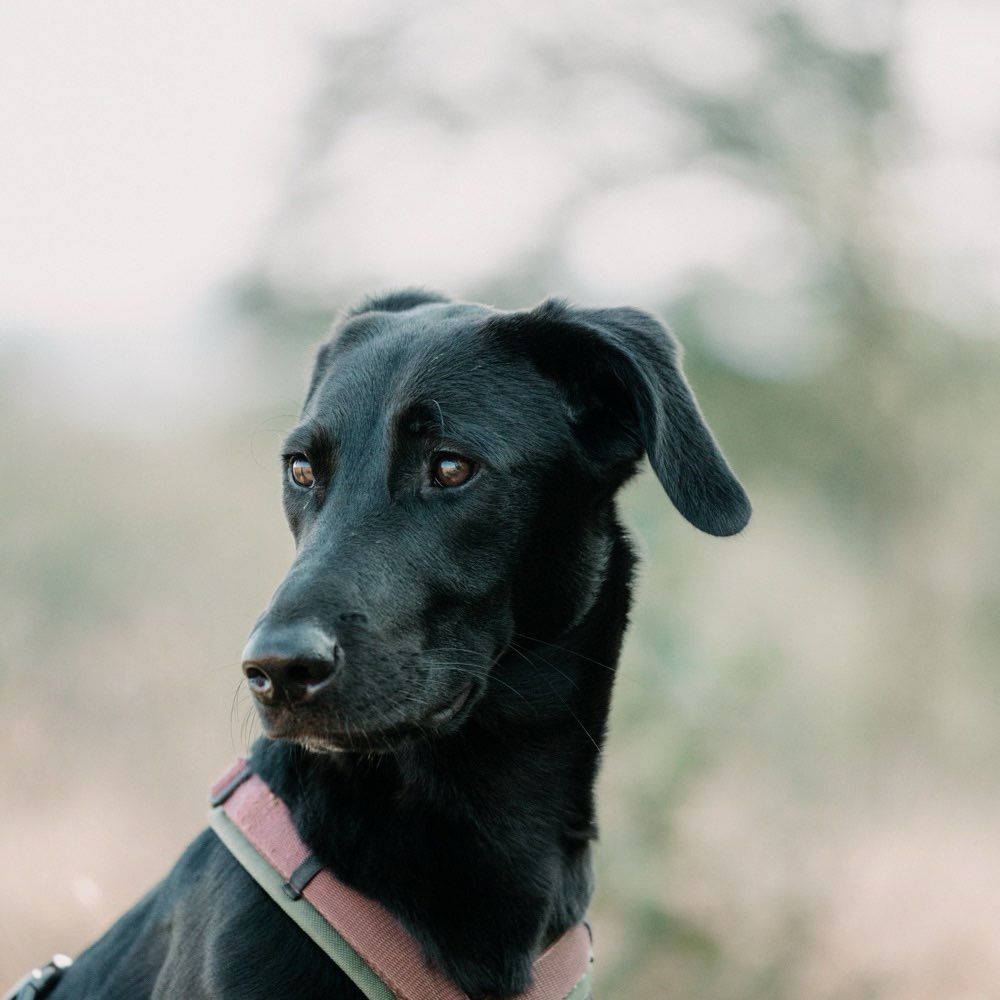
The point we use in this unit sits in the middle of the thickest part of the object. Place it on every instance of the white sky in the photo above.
(143, 144)
(140, 145)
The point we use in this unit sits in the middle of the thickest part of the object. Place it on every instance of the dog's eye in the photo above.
(301, 471)
(449, 469)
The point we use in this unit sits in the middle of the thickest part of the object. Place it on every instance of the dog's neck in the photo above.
(499, 814)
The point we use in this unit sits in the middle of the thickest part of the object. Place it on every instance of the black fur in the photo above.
(435, 672)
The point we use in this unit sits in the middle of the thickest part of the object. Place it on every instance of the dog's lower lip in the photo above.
(442, 715)
(286, 725)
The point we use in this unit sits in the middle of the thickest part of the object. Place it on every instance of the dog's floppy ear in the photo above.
(628, 364)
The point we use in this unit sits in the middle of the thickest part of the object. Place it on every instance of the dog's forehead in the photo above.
(445, 360)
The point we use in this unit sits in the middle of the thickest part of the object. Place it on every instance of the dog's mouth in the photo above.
(442, 716)
(318, 732)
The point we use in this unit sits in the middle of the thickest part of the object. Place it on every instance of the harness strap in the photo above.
(368, 943)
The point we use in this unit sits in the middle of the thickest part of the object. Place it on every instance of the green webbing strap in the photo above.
(315, 924)
(582, 989)
(302, 911)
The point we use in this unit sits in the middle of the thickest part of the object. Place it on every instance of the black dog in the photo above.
(434, 674)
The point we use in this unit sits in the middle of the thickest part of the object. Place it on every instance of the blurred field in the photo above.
(799, 792)
(799, 797)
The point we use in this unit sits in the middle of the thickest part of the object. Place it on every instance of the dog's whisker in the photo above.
(530, 654)
(576, 718)
(559, 695)
(475, 670)
(247, 718)
(563, 648)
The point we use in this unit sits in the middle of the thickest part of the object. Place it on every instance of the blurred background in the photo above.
(799, 796)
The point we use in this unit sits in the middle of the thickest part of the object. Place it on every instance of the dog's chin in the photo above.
(325, 735)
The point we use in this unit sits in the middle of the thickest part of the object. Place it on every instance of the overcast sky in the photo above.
(143, 146)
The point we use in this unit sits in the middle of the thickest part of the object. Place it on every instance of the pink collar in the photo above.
(260, 818)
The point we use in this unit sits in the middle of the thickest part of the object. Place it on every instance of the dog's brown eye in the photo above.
(449, 469)
(301, 471)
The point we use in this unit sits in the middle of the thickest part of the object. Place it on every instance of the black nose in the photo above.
(290, 663)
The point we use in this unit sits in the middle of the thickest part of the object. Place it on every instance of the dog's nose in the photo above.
(290, 663)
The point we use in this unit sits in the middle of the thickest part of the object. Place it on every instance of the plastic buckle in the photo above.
(41, 981)
(302, 876)
(229, 784)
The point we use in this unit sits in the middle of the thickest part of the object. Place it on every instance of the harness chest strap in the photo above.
(368, 943)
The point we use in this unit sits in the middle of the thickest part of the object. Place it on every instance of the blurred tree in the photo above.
(829, 381)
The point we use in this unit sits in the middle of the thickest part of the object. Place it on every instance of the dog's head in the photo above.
(449, 486)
